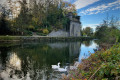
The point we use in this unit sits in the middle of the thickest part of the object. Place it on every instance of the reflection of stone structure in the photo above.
(75, 25)
(58, 45)
(74, 49)
(36, 64)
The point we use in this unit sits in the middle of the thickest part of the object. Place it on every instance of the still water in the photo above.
(33, 61)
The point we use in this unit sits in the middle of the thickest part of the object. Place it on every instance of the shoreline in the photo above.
(41, 38)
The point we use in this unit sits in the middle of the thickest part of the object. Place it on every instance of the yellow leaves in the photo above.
(99, 61)
(45, 31)
(68, 7)
(92, 54)
(35, 19)
(119, 66)
(31, 27)
(80, 66)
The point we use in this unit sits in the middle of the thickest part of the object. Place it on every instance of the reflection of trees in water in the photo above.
(97, 41)
(12, 68)
(87, 43)
(15, 70)
(87, 50)
(14, 61)
(3, 55)
(42, 54)
(35, 60)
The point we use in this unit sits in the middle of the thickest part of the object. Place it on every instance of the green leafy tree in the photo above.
(108, 31)
(88, 31)
(4, 28)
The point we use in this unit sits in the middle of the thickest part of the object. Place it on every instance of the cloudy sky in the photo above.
(92, 12)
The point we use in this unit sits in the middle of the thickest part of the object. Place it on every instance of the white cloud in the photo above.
(83, 3)
(102, 8)
(66, 0)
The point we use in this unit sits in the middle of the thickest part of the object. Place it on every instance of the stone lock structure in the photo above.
(74, 28)
(75, 25)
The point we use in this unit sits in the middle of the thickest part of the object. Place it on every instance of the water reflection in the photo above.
(14, 61)
(87, 50)
(32, 61)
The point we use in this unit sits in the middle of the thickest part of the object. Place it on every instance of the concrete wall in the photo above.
(75, 29)
(59, 33)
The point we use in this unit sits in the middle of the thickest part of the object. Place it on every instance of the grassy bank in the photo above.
(9, 38)
(41, 38)
(102, 65)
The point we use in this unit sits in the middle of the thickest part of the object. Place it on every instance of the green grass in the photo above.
(7, 38)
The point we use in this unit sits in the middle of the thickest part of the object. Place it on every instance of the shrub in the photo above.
(31, 27)
(45, 31)
(102, 65)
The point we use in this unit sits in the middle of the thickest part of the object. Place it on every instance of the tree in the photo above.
(37, 15)
(4, 29)
(108, 31)
(88, 31)
(68, 7)
(23, 19)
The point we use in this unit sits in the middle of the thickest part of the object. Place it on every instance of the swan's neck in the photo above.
(58, 64)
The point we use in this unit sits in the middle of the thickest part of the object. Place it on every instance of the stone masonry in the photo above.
(75, 25)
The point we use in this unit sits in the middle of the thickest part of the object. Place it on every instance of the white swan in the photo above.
(63, 69)
(56, 66)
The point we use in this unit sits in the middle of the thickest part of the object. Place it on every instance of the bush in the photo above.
(31, 27)
(45, 31)
(102, 65)
(41, 34)
(27, 33)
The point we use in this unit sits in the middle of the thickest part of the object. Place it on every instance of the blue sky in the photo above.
(93, 12)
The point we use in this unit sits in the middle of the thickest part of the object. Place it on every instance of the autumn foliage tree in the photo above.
(36, 16)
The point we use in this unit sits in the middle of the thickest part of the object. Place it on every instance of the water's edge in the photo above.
(41, 38)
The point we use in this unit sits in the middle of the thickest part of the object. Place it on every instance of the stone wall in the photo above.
(59, 33)
(75, 29)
